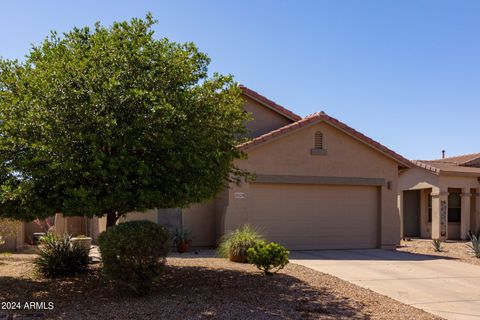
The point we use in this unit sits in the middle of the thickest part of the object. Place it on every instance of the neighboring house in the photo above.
(440, 199)
(319, 184)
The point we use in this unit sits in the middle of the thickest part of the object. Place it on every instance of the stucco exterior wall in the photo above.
(150, 215)
(417, 178)
(447, 181)
(264, 119)
(15, 241)
(200, 220)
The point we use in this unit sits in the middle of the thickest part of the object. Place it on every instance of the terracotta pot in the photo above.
(183, 247)
(237, 257)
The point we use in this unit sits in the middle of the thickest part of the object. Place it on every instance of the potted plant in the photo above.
(182, 240)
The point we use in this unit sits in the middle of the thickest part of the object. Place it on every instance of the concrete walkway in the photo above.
(443, 287)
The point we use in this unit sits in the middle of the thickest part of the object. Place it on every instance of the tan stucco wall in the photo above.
(417, 178)
(447, 181)
(199, 219)
(264, 119)
(346, 157)
(150, 215)
(16, 241)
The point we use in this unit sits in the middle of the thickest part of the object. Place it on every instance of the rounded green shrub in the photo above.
(269, 258)
(59, 257)
(235, 244)
(133, 254)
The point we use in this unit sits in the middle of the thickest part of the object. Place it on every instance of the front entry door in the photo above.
(411, 213)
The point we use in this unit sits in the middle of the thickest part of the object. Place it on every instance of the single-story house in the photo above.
(440, 199)
(318, 184)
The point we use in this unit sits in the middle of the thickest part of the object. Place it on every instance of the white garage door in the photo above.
(316, 216)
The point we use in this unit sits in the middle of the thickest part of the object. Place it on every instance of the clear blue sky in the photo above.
(406, 73)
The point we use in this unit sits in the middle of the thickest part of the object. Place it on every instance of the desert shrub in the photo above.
(437, 245)
(474, 244)
(269, 258)
(133, 254)
(235, 244)
(59, 257)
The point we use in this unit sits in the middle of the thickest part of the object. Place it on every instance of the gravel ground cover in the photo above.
(202, 288)
(451, 249)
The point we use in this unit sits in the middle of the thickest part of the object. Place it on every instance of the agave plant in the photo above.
(474, 244)
(437, 245)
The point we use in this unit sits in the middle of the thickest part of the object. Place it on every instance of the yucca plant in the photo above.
(437, 245)
(58, 257)
(235, 244)
(474, 244)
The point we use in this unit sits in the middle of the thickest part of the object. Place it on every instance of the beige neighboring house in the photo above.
(319, 184)
(440, 199)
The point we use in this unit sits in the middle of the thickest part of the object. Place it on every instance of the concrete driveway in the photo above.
(443, 287)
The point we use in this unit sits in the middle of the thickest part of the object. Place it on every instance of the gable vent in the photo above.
(318, 140)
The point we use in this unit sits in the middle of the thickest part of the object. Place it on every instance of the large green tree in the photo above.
(110, 120)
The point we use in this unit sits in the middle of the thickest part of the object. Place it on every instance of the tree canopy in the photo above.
(110, 120)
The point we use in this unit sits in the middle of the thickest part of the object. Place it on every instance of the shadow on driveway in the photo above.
(363, 255)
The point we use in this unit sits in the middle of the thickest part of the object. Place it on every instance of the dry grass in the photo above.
(203, 288)
(451, 249)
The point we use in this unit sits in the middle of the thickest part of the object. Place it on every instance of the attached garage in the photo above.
(313, 183)
(317, 184)
(316, 216)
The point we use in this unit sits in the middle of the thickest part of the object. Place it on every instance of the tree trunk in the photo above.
(111, 219)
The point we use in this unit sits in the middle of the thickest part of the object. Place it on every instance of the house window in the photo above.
(454, 207)
(318, 140)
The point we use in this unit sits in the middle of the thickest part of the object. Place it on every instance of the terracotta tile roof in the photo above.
(459, 160)
(321, 116)
(269, 103)
(426, 166)
(437, 167)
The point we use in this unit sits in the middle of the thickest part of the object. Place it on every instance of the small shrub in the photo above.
(133, 254)
(59, 257)
(474, 244)
(235, 244)
(437, 245)
(269, 258)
